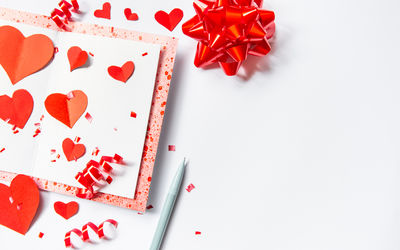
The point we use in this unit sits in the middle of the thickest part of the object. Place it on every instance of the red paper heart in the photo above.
(66, 210)
(18, 109)
(105, 12)
(129, 15)
(122, 73)
(24, 194)
(67, 108)
(22, 56)
(170, 20)
(71, 150)
(76, 57)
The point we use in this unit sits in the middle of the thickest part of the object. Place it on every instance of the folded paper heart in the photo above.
(22, 56)
(73, 151)
(19, 203)
(67, 108)
(76, 57)
(18, 109)
(105, 12)
(122, 73)
(66, 210)
(129, 15)
(170, 20)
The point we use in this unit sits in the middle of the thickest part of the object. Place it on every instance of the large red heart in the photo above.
(105, 12)
(66, 210)
(170, 20)
(71, 150)
(67, 108)
(18, 109)
(22, 56)
(18, 203)
(76, 57)
(129, 15)
(122, 73)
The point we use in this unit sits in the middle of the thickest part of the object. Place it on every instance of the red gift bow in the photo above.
(228, 30)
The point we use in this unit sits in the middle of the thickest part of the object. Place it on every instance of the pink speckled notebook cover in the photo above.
(163, 78)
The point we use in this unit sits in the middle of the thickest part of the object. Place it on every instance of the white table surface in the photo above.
(303, 153)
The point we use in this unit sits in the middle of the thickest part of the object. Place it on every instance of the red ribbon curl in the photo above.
(61, 17)
(228, 31)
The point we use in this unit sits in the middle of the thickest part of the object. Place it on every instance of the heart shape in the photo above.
(18, 109)
(22, 56)
(66, 210)
(73, 151)
(129, 15)
(19, 203)
(76, 57)
(170, 20)
(67, 108)
(122, 73)
(105, 12)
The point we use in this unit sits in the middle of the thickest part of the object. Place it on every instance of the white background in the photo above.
(304, 154)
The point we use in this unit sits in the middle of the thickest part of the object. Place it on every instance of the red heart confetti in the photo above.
(122, 73)
(18, 203)
(67, 108)
(76, 57)
(73, 151)
(18, 109)
(171, 20)
(105, 12)
(129, 15)
(66, 210)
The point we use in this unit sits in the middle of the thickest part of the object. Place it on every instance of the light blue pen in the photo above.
(168, 207)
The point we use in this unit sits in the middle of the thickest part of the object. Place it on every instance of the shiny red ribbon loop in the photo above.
(95, 174)
(229, 30)
(61, 17)
(84, 233)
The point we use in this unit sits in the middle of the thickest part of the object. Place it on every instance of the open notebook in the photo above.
(87, 106)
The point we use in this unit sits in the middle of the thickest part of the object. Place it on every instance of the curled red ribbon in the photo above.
(61, 17)
(228, 31)
(96, 173)
(84, 233)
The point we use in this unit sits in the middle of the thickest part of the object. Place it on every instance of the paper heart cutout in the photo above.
(22, 56)
(122, 73)
(67, 108)
(24, 194)
(18, 109)
(170, 20)
(66, 210)
(73, 151)
(129, 15)
(76, 57)
(105, 12)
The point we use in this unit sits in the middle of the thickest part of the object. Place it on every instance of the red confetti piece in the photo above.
(37, 124)
(89, 117)
(53, 151)
(35, 135)
(171, 147)
(133, 114)
(16, 131)
(190, 187)
(58, 156)
(90, 53)
(84, 233)
(139, 213)
(149, 207)
(53, 160)
(41, 118)
(96, 151)
(55, 50)
(14, 127)
(145, 54)
(41, 235)
(77, 139)
(197, 233)
(2, 150)
(115, 129)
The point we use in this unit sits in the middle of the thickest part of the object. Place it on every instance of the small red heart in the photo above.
(105, 12)
(19, 203)
(73, 151)
(122, 73)
(129, 15)
(76, 57)
(66, 210)
(18, 109)
(170, 20)
(67, 108)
